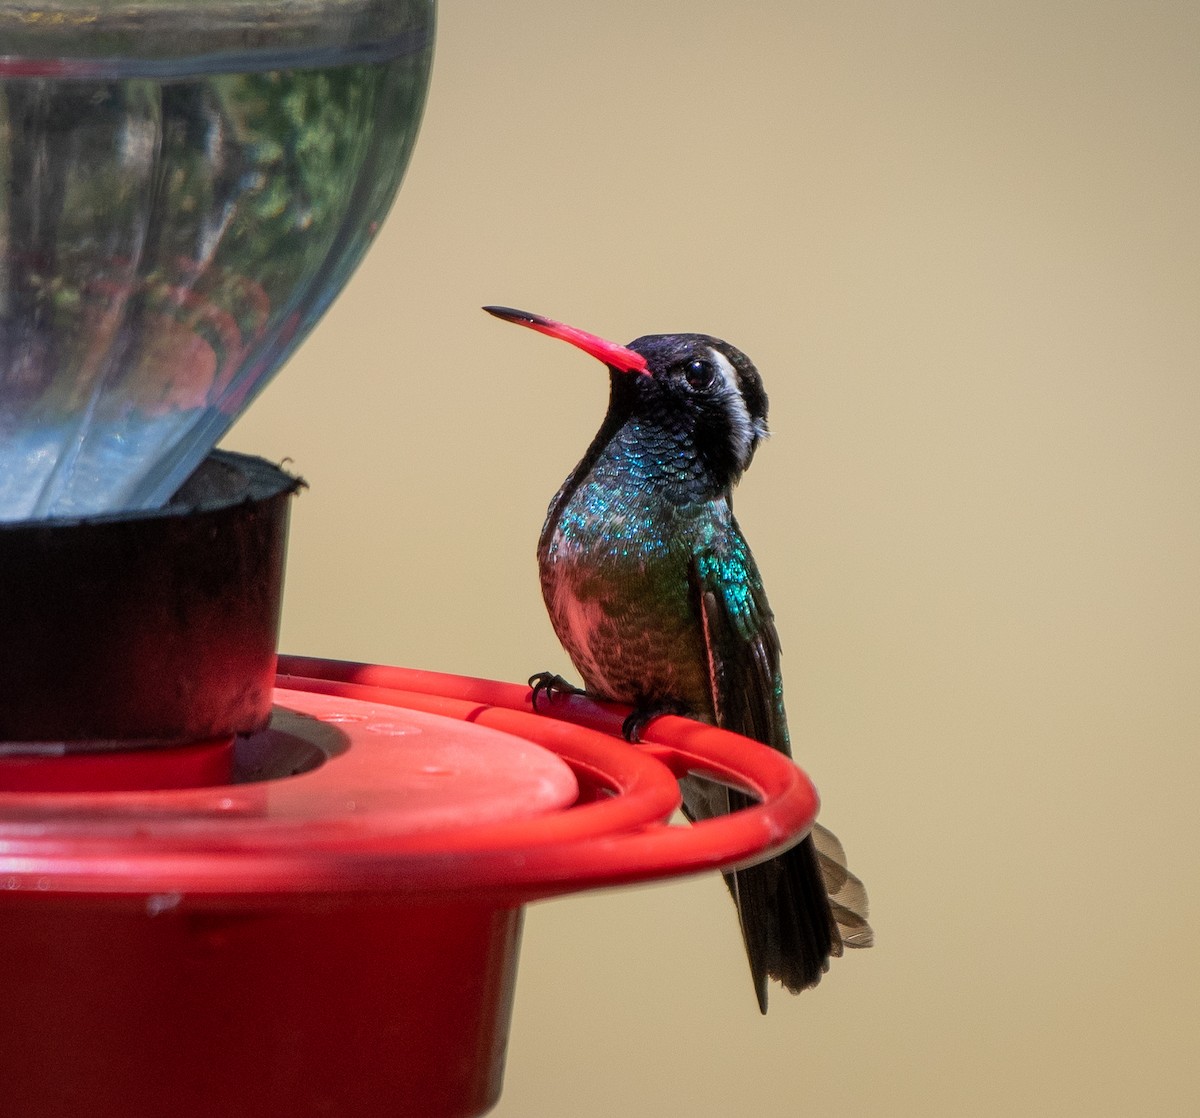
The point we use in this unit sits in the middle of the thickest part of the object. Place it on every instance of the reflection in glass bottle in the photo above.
(169, 232)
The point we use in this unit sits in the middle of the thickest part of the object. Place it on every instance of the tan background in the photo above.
(960, 240)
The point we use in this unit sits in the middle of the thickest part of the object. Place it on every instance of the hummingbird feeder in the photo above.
(231, 884)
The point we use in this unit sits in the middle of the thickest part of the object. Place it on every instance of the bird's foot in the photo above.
(550, 684)
(642, 716)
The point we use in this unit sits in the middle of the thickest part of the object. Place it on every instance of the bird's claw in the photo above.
(641, 717)
(549, 683)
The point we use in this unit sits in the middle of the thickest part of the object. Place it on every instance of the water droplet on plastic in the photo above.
(158, 903)
(388, 729)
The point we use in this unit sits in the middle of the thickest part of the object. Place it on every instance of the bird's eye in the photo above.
(700, 373)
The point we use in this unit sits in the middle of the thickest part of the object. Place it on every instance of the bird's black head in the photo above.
(701, 391)
(704, 390)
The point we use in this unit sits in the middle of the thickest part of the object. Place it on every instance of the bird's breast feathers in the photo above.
(618, 592)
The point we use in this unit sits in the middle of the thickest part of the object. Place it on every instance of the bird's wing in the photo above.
(808, 902)
(786, 922)
(741, 641)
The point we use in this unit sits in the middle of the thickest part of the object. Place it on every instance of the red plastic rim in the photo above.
(274, 837)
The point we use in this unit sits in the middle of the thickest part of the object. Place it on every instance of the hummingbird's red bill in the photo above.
(615, 356)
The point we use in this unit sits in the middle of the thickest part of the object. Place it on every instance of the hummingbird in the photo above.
(656, 598)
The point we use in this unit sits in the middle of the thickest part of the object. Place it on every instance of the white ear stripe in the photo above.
(741, 427)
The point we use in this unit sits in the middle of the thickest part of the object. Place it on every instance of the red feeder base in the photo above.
(333, 928)
(345, 1008)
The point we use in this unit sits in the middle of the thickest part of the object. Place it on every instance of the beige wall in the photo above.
(960, 240)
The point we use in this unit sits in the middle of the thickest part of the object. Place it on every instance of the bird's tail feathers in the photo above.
(847, 895)
(796, 909)
(786, 922)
